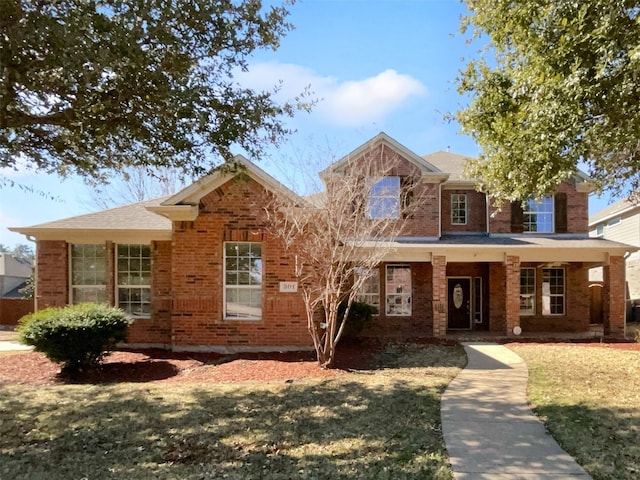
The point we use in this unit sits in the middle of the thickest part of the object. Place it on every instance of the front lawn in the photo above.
(589, 398)
(382, 423)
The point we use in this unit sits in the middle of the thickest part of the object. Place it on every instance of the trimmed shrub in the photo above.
(76, 336)
(359, 317)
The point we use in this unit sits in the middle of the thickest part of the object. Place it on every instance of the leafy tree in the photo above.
(92, 87)
(558, 84)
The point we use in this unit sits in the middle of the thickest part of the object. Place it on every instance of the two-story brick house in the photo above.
(200, 271)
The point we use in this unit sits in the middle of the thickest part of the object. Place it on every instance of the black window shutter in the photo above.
(517, 217)
(560, 213)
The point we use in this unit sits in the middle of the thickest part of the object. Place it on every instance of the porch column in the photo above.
(512, 293)
(613, 301)
(439, 295)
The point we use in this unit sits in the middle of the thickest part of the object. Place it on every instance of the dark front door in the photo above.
(459, 297)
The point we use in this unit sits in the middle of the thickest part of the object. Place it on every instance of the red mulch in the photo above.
(160, 365)
(164, 366)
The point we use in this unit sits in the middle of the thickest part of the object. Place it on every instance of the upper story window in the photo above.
(600, 231)
(538, 215)
(242, 281)
(133, 279)
(458, 209)
(614, 221)
(88, 273)
(384, 198)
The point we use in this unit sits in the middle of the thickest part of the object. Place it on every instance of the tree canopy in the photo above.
(92, 87)
(558, 84)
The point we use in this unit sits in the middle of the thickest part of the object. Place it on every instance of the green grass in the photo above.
(589, 399)
(377, 424)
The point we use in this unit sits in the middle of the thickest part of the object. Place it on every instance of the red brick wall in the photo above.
(13, 309)
(157, 329)
(614, 296)
(577, 211)
(439, 289)
(52, 274)
(420, 323)
(476, 212)
(231, 213)
(576, 317)
(512, 293)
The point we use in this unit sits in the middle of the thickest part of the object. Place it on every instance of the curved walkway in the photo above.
(488, 428)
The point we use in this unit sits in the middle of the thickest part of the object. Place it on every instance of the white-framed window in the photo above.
(553, 291)
(369, 292)
(458, 209)
(133, 279)
(527, 291)
(398, 290)
(384, 198)
(242, 281)
(600, 231)
(88, 273)
(613, 222)
(538, 215)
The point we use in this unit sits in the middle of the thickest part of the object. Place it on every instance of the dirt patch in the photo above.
(163, 366)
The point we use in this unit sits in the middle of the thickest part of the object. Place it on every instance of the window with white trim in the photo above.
(369, 292)
(458, 209)
(527, 291)
(384, 198)
(242, 281)
(600, 231)
(553, 291)
(538, 215)
(88, 273)
(133, 279)
(398, 290)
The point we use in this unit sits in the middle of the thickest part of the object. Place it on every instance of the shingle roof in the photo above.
(128, 218)
(448, 162)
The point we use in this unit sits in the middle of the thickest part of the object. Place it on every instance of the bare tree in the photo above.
(337, 237)
(135, 184)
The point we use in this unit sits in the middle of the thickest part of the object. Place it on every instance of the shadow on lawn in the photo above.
(340, 428)
(603, 440)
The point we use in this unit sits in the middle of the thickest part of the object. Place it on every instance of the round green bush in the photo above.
(76, 336)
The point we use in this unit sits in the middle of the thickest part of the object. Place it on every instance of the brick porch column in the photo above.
(613, 301)
(512, 293)
(439, 304)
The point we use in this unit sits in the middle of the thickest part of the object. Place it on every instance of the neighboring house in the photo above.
(14, 272)
(620, 222)
(200, 271)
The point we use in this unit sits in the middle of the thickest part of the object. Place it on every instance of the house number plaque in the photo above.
(289, 287)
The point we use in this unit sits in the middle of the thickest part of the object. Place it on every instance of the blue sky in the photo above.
(376, 65)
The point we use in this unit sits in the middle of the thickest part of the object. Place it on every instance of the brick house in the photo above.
(199, 271)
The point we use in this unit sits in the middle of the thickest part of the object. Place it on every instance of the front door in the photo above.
(459, 298)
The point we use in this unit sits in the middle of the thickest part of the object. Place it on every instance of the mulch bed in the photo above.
(164, 366)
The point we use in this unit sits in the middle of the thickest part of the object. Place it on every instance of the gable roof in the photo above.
(126, 223)
(184, 204)
(382, 139)
(451, 163)
(621, 207)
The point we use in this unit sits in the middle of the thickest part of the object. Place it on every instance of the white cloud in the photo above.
(349, 103)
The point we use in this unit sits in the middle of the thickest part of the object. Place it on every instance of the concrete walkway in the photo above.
(9, 342)
(488, 428)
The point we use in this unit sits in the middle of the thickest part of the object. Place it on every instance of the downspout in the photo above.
(486, 205)
(440, 210)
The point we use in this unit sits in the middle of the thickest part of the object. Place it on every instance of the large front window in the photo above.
(553, 291)
(398, 290)
(527, 291)
(369, 292)
(538, 215)
(384, 198)
(88, 273)
(242, 281)
(133, 279)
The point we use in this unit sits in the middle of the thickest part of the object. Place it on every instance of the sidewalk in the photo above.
(488, 428)
(9, 341)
